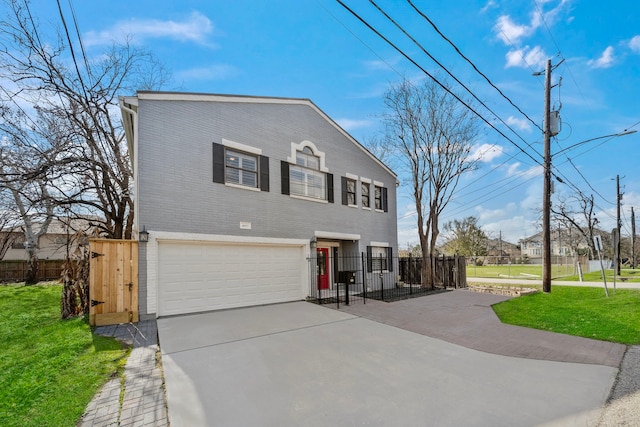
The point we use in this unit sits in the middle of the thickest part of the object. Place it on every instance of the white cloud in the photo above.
(490, 5)
(515, 170)
(512, 33)
(526, 57)
(486, 152)
(212, 72)
(352, 124)
(520, 124)
(196, 28)
(605, 60)
(634, 44)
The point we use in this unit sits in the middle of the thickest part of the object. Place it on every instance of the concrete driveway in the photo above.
(300, 364)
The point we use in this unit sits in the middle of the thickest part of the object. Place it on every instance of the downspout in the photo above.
(133, 114)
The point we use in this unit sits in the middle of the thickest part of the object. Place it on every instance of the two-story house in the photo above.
(240, 195)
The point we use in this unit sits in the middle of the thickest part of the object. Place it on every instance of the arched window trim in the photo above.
(307, 144)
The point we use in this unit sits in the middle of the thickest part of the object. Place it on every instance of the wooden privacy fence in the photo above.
(16, 271)
(113, 281)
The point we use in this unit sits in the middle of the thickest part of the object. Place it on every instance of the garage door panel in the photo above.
(197, 277)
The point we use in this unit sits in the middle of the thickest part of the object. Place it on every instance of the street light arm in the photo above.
(613, 135)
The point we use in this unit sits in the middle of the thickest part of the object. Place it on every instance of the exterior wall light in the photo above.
(143, 236)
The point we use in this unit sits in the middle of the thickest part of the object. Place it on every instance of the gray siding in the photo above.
(177, 192)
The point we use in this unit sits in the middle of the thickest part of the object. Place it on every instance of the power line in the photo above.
(82, 50)
(435, 27)
(447, 71)
(73, 55)
(358, 38)
(390, 43)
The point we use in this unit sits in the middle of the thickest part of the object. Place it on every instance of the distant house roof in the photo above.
(62, 226)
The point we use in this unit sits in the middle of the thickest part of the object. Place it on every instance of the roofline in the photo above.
(211, 97)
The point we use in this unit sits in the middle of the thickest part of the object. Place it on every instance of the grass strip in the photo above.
(580, 311)
(50, 369)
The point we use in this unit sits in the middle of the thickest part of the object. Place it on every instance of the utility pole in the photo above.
(618, 225)
(546, 197)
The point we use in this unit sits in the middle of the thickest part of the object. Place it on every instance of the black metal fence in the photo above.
(348, 279)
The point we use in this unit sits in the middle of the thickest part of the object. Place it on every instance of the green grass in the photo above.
(50, 369)
(627, 275)
(519, 271)
(580, 311)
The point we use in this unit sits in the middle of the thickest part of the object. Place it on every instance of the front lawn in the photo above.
(518, 271)
(50, 369)
(627, 275)
(579, 311)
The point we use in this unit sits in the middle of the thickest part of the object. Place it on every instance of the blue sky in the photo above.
(316, 49)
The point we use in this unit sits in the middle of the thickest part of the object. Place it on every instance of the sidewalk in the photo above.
(143, 401)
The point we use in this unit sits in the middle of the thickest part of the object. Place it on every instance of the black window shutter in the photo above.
(284, 179)
(369, 260)
(218, 163)
(390, 258)
(345, 200)
(385, 206)
(264, 173)
(330, 187)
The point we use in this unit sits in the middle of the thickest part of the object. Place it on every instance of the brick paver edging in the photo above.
(144, 400)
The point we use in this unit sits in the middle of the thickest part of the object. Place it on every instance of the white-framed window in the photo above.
(240, 165)
(349, 188)
(305, 175)
(305, 178)
(365, 191)
(380, 258)
(378, 197)
(241, 168)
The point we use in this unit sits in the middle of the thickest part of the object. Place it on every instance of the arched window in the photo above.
(305, 177)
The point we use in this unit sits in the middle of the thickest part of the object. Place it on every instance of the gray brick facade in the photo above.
(175, 188)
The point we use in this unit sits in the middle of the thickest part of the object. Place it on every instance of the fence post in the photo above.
(364, 278)
(346, 290)
(381, 281)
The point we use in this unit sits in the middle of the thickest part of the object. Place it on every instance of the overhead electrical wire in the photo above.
(447, 71)
(432, 77)
(435, 27)
(399, 74)
(395, 47)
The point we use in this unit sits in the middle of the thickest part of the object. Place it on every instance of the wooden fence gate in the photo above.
(113, 281)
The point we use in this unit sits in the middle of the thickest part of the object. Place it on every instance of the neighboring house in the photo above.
(241, 194)
(531, 247)
(499, 251)
(52, 245)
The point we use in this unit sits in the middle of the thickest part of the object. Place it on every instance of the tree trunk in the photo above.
(75, 290)
(31, 276)
(427, 271)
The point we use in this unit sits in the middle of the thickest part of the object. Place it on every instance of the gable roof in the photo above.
(129, 107)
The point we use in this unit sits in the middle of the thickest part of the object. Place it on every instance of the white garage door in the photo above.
(203, 276)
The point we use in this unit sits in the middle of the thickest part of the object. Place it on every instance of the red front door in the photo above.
(323, 268)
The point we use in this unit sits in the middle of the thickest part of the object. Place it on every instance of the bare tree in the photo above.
(433, 135)
(576, 213)
(60, 107)
(78, 103)
(7, 222)
(21, 154)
